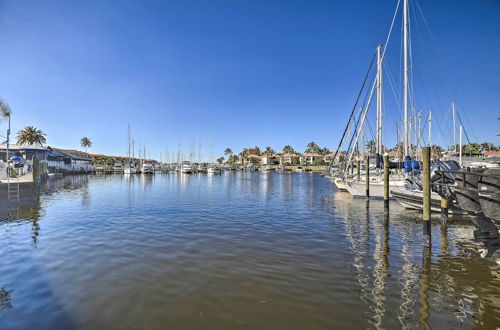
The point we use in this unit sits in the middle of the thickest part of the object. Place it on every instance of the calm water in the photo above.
(236, 251)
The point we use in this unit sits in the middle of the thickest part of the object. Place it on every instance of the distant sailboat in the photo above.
(129, 167)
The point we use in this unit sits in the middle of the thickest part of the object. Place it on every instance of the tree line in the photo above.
(232, 158)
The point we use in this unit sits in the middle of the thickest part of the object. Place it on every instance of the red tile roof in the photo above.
(491, 153)
(332, 154)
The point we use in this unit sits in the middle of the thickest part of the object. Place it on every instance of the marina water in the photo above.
(242, 250)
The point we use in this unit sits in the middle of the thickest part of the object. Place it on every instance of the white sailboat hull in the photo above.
(129, 171)
(358, 188)
(339, 183)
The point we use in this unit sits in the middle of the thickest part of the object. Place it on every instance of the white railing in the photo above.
(59, 165)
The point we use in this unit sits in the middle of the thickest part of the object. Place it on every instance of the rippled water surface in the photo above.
(235, 251)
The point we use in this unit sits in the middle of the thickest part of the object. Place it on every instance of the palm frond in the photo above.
(5, 110)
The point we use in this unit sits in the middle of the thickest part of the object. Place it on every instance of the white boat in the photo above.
(203, 168)
(118, 167)
(357, 188)
(186, 167)
(266, 169)
(214, 169)
(299, 169)
(147, 168)
(413, 199)
(339, 183)
(129, 169)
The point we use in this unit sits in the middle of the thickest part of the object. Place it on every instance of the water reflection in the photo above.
(273, 251)
(4, 299)
(424, 286)
(380, 270)
(28, 208)
(417, 274)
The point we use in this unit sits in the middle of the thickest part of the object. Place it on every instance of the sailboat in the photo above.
(213, 168)
(129, 167)
(356, 186)
(147, 167)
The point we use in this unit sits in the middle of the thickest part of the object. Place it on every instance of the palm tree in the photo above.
(436, 151)
(220, 160)
(4, 110)
(244, 155)
(269, 151)
(371, 145)
(324, 151)
(288, 149)
(312, 147)
(228, 152)
(488, 146)
(233, 159)
(86, 143)
(31, 135)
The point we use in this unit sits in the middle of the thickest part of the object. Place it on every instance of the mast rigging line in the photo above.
(443, 63)
(364, 82)
(353, 111)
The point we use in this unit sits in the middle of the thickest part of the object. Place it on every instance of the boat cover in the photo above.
(414, 182)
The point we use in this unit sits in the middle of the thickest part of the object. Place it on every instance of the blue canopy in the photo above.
(17, 159)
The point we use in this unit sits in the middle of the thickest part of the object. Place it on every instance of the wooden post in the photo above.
(367, 178)
(444, 201)
(386, 182)
(426, 163)
(358, 170)
(36, 169)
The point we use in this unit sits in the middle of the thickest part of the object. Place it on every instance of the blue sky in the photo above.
(246, 72)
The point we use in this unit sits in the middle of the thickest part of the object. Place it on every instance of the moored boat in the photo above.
(147, 168)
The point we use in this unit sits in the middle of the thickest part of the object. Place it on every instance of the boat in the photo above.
(357, 188)
(214, 169)
(358, 118)
(414, 199)
(202, 168)
(477, 191)
(339, 183)
(147, 168)
(489, 193)
(118, 167)
(266, 169)
(466, 190)
(249, 167)
(411, 195)
(186, 167)
(129, 169)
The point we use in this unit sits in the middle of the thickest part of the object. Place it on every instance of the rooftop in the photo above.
(23, 147)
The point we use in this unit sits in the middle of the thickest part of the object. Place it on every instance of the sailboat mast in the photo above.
(454, 127)
(430, 128)
(379, 100)
(129, 143)
(199, 151)
(405, 96)
(460, 154)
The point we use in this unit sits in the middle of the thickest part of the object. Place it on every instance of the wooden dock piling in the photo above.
(426, 178)
(386, 182)
(444, 201)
